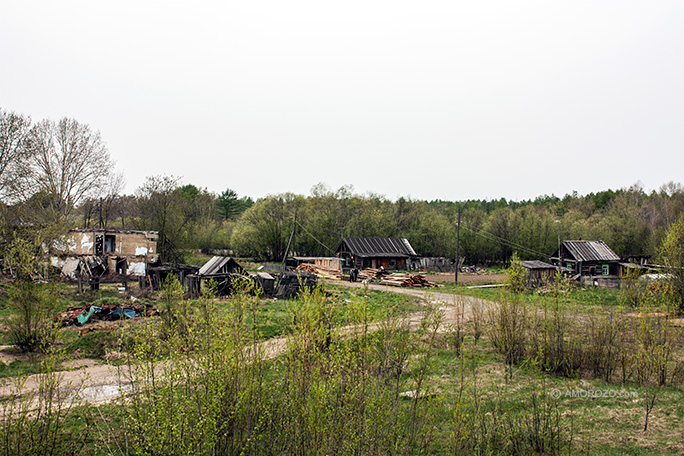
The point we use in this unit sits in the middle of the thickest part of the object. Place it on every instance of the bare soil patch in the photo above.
(466, 277)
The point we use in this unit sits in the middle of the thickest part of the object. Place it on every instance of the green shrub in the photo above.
(31, 327)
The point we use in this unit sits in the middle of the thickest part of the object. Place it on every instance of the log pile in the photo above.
(320, 271)
(406, 280)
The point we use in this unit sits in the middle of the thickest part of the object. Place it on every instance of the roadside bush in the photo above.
(608, 347)
(31, 327)
(33, 424)
(554, 344)
(508, 329)
(516, 275)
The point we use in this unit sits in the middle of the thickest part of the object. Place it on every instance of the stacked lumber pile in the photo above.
(320, 271)
(372, 273)
(406, 280)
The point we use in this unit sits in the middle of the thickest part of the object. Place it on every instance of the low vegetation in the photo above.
(524, 373)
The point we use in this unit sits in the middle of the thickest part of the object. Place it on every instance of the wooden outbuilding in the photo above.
(539, 272)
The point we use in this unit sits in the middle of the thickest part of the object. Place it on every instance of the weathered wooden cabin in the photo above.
(591, 262)
(390, 253)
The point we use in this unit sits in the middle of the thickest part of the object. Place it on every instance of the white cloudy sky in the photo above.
(431, 99)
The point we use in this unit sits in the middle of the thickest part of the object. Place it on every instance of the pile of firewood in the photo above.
(406, 280)
(320, 271)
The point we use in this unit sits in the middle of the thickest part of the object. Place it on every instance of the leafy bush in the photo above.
(31, 326)
(516, 275)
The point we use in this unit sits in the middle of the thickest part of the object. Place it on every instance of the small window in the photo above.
(109, 243)
(605, 269)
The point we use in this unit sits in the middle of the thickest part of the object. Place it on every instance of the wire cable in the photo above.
(493, 237)
(314, 237)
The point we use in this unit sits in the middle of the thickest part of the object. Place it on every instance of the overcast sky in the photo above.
(432, 99)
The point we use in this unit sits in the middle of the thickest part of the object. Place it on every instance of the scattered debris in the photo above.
(80, 315)
(291, 283)
(413, 394)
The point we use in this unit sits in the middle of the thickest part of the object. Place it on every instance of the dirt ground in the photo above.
(464, 277)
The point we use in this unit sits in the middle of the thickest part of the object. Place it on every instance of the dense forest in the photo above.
(57, 175)
(188, 217)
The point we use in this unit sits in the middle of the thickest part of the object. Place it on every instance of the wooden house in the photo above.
(590, 262)
(362, 253)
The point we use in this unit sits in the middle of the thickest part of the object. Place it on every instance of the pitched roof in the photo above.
(590, 251)
(217, 264)
(536, 264)
(387, 247)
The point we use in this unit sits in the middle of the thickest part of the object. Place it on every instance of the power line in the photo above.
(493, 237)
(314, 237)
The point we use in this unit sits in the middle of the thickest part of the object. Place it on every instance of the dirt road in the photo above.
(97, 383)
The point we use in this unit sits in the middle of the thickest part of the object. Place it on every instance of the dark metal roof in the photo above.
(590, 251)
(536, 264)
(378, 247)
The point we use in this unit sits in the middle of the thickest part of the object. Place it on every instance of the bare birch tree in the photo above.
(14, 130)
(70, 162)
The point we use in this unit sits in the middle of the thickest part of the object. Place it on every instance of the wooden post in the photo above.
(292, 235)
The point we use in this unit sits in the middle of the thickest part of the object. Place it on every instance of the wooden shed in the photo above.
(538, 272)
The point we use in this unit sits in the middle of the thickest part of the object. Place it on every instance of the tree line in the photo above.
(631, 221)
(60, 174)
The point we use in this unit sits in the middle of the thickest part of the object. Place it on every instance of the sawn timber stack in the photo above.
(406, 280)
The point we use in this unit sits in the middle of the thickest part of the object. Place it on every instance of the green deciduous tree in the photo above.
(671, 254)
(264, 229)
(160, 208)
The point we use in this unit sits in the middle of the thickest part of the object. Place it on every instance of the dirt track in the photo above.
(99, 383)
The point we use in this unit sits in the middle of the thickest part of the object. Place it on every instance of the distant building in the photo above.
(590, 262)
(390, 253)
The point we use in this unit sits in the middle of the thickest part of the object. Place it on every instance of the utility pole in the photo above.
(292, 235)
(458, 243)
